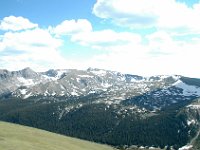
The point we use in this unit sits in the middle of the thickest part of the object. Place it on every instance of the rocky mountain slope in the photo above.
(103, 106)
(107, 86)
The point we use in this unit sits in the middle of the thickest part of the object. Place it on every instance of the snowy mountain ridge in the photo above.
(108, 86)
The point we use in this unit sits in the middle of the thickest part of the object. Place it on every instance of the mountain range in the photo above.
(105, 106)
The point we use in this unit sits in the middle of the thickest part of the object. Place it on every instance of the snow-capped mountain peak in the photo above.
(108, 86)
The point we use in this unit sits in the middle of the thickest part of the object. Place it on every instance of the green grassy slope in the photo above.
(16, 137)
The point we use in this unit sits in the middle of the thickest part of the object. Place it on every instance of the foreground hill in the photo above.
(25, 138)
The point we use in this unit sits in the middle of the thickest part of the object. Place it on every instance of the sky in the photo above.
(143, 37)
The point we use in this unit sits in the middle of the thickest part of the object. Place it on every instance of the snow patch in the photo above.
(62, 87)
(194, 106)
(78, 79)
(163, 76)
(27, 96)
(74, 93)
(26, 82)
(49, 78)
(62, 93)
(188, 90)
(99, 72)
(186, 147)
(189, 122)
(92, 92)
(106, 85)
(46, 93)
(133, 80)
(60, 73)
(122, 78)
(23, 91)
(176, 77)
(53, 94)
(85, 76)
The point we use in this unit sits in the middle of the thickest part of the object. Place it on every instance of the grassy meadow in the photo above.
(17, 137)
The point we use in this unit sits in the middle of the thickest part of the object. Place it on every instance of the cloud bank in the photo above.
(16, 23)
(162, 14)
(172, 47)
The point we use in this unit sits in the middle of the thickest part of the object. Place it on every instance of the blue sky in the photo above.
(146, 37)
(47, 12)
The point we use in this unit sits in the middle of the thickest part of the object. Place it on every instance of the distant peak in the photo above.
(28, 73)
(3, 71)
(27, 69)
(51, 72)
(90, 69)
(94, 69)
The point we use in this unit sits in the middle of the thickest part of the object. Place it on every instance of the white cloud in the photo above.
(105, 39)
(127, 52)
(29, 40)
(125, 12)
(161, 55)
(162, 43)
(182, 64)
(163, 14)
(16, 23)
(69, 27)
(25, 45)
(156, 53)
(35, 48)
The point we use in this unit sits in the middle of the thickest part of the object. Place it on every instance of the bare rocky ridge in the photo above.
(108, 86)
